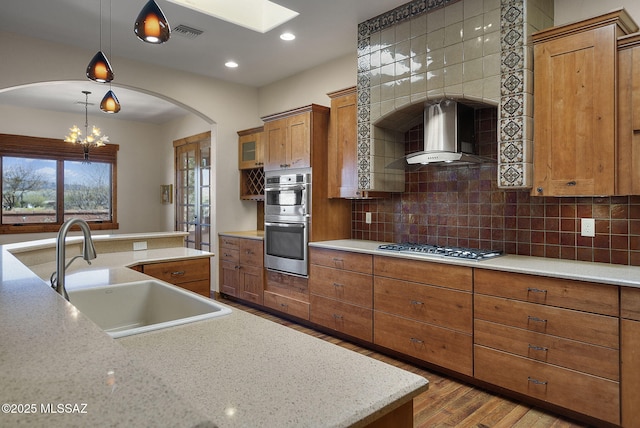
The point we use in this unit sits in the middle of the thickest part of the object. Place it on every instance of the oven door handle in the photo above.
(286, 187)
(299, 225)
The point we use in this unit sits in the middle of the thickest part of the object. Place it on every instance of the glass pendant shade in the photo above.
(99, 69)
(110, 103)
(152, 26)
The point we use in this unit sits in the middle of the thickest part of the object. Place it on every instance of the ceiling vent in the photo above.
(186, 31)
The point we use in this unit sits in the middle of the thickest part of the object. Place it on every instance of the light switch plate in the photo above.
(588, 227)
(140, 245)
(367, 218)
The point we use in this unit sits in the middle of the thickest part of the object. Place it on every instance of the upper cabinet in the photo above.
(575, 75)
(342, 149)
(250, 162)
(628, 180)
(250, 148)
(289, 137)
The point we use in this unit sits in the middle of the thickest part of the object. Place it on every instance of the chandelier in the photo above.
(91, 140)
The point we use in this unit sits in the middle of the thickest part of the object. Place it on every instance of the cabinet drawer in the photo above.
(181, 271)
(564, 293)
(344, 260)
(630, 303)
(585, 327)
(573, 390)
(443, 347)
(351, 287)
(457, 277)
(229, 255)
(435, 305)
(230, 242)
(287, 305)
(592, 359)
(251, 252)
(353, 320)
(202, 287)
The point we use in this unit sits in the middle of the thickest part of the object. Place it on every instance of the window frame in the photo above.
(56, 149)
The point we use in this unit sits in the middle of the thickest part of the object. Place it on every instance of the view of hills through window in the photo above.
(31, 189)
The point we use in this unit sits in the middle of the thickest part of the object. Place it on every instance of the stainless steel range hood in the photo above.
(448, 138)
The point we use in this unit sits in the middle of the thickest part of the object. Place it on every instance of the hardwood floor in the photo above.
(448, 402)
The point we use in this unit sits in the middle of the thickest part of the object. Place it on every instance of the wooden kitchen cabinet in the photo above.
(547, 338)
(250, 163)
(191, 274)
(289, 137)
(287, 294)
(424, 310)
(630, 355)
(628, 180)
(342, 177)
(575, 74)
(341, 291)
(242, 268)
(250, 148)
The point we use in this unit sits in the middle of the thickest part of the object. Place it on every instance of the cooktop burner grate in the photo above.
(443, 251)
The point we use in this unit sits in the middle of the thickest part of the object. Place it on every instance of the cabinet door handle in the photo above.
(535, 319)
(416, 340)
(416, 302)
(178, 273)
(338, 316)
(538, 348)
(337, 285)
(536, 290)
(536, 381)
(571, 183)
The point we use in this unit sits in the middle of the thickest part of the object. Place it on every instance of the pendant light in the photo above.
(152, 26)
(110, 103)
(99, 69)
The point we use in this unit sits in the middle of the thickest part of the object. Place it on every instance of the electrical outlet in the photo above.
(140, 245)
(588, 227)
(367, 218)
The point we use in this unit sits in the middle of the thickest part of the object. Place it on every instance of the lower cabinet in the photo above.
(287, 294)
(425, 310)
(191, 274)
(630, 359)
(241, 268)
(543, 338)
(341, 291)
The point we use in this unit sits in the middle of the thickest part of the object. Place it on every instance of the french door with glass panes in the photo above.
(193, 189)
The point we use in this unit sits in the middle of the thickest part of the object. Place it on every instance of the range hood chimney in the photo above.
(448, 138)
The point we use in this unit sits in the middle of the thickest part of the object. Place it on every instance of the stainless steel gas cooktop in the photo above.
(442, 251)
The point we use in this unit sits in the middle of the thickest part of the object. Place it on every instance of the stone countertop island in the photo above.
(57, 368)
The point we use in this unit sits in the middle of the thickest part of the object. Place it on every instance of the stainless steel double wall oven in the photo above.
(287, 213)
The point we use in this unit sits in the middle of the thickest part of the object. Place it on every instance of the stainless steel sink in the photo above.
(142, 306)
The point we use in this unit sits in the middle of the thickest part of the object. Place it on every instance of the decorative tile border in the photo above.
(515, 137)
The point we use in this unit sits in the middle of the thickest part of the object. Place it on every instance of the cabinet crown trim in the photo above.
(311, 107)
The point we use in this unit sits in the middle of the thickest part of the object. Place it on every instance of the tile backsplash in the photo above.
(463, 206)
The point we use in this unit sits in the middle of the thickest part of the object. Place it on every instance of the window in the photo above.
(45, 182)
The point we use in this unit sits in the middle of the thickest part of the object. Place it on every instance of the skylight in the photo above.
(256, 15)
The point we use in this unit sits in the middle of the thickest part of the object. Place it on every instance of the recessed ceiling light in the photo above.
(231, 64)
(287, 36)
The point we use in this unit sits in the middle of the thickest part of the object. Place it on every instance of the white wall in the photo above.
(567, 11)
(309, 87)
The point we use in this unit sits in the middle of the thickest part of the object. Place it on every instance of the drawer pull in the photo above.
(337, 316)
(536, 319)
(536, 290)
(416, 340)
(538, 348)
(177, 273)
(416, 302)
(336, 285)
(338, 262)
(284, 305)
(536, 381)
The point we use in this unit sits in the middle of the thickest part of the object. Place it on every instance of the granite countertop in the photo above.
(603, 273)
(237, 370)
